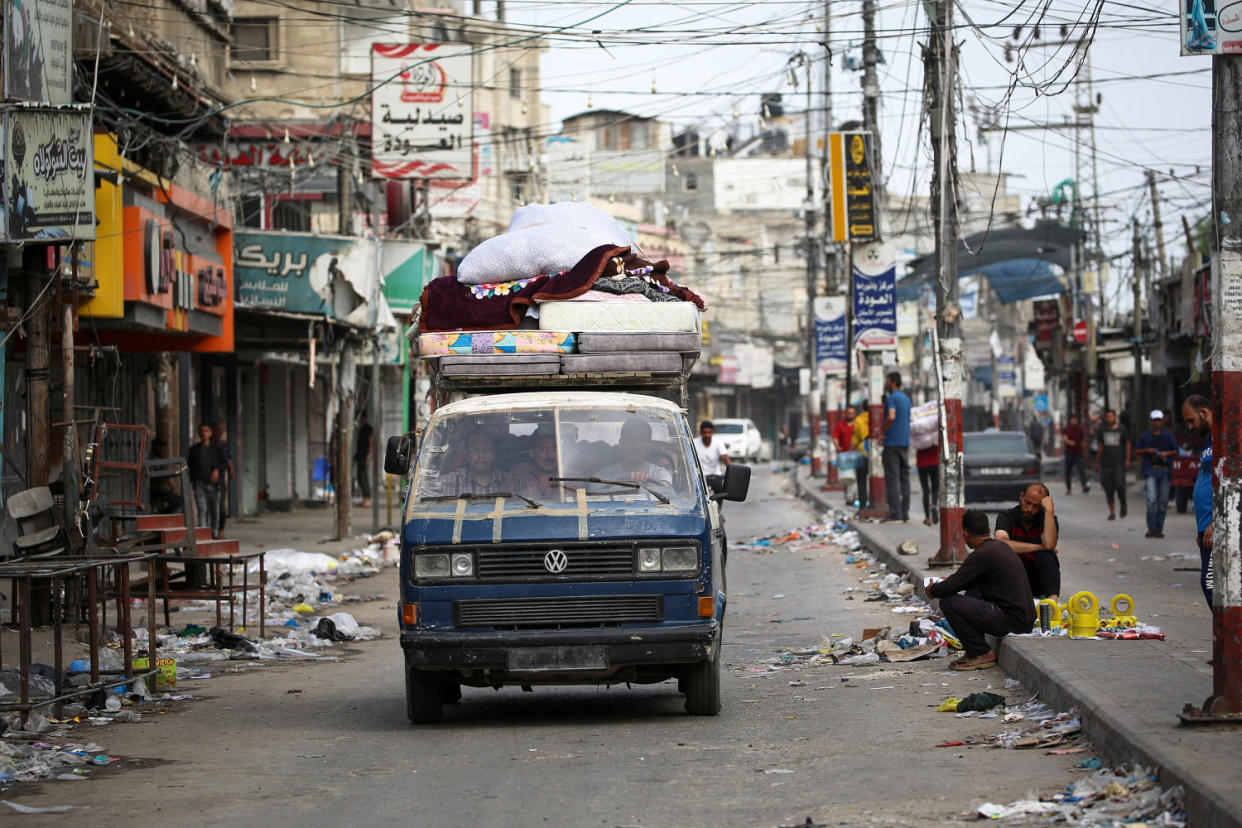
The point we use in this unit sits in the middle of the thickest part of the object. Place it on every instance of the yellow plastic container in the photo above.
(1122, 605)
(1084, 611)
(1054, 612)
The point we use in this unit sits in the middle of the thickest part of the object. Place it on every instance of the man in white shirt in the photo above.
(712, 457)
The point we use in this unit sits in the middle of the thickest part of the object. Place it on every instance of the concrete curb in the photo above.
(1211, 794)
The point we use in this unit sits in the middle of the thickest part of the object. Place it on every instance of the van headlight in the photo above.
(463, 565)
(680, 558)
(649, 559)
(653, 560)
(432, 566)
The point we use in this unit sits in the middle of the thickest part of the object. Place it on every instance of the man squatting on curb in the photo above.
(1029, 532)
(989, 593)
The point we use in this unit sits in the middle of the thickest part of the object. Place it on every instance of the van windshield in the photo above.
(729, 428)
(542, 457)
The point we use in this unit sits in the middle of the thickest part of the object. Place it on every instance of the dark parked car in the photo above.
(997, 465)
(802, 443)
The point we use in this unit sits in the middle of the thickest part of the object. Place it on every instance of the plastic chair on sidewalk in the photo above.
(42, 534)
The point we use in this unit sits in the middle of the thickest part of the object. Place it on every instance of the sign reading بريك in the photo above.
(38, 44)
(294, 271)
(48, 175)
(875, 297)
(421, 106)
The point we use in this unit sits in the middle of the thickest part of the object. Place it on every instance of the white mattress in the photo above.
(618, 316)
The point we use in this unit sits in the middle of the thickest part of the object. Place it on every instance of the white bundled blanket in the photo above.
(925, 425)
(542, 239)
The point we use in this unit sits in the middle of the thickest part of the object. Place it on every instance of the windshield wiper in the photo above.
(533, 504)
(663, 499)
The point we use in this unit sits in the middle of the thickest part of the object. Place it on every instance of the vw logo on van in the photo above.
(555, 561)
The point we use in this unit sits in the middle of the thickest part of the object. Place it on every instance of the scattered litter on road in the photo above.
(1106, 798)
(30, 809)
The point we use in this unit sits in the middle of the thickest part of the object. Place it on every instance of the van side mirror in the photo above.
(397, 455)
(736, 483)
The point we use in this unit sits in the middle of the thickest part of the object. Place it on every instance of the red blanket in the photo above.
(448, 305)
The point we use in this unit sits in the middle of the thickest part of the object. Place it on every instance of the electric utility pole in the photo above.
(803, 60)
(1137, 402)
(939, 61)
(1159, 225)
(832, 388)
(1225, 703)
(878, 506)
(871, 91)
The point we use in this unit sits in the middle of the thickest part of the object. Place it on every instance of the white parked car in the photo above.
(741, 439)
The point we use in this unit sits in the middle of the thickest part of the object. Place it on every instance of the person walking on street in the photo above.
(712, 457)
(1158, 447)
(1112, 461)
(988, 594)
(363, 435)
(928, 462)
(206, 464)
(896, 453)
(1073, 436)
(220, 437)
(1197, 412)
(1035, 430)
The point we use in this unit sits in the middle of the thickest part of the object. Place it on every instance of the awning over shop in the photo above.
(1017, 262)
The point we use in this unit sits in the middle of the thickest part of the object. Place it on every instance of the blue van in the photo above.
(560, 537)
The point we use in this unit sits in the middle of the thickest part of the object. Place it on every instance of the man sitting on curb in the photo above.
(1031, 529)
(988, 594)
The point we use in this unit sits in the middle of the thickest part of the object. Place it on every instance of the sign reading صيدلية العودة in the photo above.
(875, 297)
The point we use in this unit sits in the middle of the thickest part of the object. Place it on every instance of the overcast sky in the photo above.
(709, 60)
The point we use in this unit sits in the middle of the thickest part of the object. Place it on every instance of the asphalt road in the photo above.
(329, 744)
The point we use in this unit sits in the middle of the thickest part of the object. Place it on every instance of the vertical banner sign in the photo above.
(1047, 322)
(830, 350)
(1211, 27)
(48, 175)
(38, 43)
(1006, 376)
(875, 297)
(422, 106)
(854, 214)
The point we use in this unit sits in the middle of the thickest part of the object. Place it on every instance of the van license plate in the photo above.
(533, 659)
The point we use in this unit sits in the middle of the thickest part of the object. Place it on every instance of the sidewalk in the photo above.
(309, 529)
(1129, 692)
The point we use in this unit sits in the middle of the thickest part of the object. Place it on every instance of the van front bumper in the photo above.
(593, 650)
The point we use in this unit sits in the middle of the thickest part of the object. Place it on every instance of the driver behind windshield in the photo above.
(479, 474)
(634, 465)
(533, 478)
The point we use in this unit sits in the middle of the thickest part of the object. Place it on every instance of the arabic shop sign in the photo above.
(875, 297)
(1006, 376)
(421, 105)
(47, 181)
(38, 40)
(265, 155)
(853, 204)
(1211, 28)
(1047, 322)
(830, 349)
(273, 270)
(297, 271)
